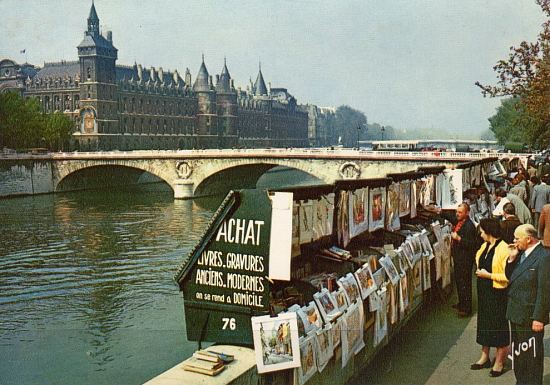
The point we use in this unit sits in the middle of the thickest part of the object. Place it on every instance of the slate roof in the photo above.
(259, 86)
(201, 82)
(59, 70)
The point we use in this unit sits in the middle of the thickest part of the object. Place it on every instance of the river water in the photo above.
(86, 283)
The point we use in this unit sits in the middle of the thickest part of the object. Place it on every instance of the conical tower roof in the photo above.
(93, 14)
(201, 82)
(259, 85)
(224, 82)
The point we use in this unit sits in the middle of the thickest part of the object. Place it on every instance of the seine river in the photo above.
(86, 283)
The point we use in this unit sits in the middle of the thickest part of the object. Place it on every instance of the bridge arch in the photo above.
(89, 174)
(244, 173)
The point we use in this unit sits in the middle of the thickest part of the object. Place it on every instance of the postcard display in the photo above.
(351, 300)
(307, 272)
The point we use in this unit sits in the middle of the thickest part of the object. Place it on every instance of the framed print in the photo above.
(358, 211)
(341, 300)
(327, 305)
(365, 280)
(301, 319)
(377, 208)
(351, 289)
(313, 317)
(404, 198)
(295, 251)
(308, 364)
(336, 331)
(390, 269)
(392, 208)
(306, 221)
(276, 342)
(325, 347)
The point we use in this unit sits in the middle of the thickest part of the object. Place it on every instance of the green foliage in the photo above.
(348, 124)
(23, 125)
(513, 122)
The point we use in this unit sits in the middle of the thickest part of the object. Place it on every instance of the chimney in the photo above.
(187, 77)
(140, 72)
(210, 80)
(153, 74)
(161, 74)
(110, 36)
(217, 79)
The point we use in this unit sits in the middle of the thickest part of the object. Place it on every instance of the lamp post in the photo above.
(383, 129)
(358, 131)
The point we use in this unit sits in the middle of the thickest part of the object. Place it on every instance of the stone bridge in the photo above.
(202, 172)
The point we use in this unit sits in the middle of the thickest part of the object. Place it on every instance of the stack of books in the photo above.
(204, 362)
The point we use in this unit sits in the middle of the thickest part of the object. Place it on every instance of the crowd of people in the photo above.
(510, 252)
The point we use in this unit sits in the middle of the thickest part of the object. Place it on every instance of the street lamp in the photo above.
(383, 129)
(358, 131)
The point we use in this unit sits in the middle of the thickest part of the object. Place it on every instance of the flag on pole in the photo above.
(23, 50)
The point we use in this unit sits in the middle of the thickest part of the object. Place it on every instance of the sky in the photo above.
(411, 64)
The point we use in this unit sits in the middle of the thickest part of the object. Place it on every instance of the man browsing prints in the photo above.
(528, 272)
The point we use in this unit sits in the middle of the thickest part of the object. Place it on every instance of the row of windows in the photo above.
(157, 107)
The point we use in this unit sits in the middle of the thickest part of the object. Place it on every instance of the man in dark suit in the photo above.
(510, 222)
(464, 244)
(528, 273)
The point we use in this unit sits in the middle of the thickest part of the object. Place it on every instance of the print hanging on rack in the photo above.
(392, 213)
(451, 189)
(323, 216)
(295, 251)
(342, 219)
(358, 212)
(404, 198)
(306, 221)
(377, 208)
(414, 198)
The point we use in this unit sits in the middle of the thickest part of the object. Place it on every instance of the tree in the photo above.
(346, 125)
(525, 74)
(23, 125)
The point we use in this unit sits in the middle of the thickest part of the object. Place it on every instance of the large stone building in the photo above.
(131, 107)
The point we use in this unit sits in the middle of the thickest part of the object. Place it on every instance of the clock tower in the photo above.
(98, 89)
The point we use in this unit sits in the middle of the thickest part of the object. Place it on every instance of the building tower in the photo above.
(226, 103)
(259, 86)
(98, 90)
(206, 117)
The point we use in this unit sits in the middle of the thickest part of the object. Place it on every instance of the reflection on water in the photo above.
(87, 289)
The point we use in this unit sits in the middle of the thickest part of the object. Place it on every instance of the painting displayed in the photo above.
(381, 318)
(351, 289)
(325, 347)
(392, 208)
(358, 212)
(377, 208)
(342, 220)
(390, 269)
(323, 216)
(308, 366)
(451, 189)
(306, 221)
(365, 280)
(403, 295)
(341, 300)
(336, 331)
(313, 316)
(404, 198)
(414, 198)
(295, 250)
(352, 332)
(276, 342)
(327, 305)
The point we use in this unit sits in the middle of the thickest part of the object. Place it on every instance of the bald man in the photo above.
(528, 273)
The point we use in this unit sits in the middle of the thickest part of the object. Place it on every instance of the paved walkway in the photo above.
(436, 348)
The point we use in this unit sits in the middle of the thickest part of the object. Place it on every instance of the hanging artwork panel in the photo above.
(404, 198)
(323, 216)
(276, 342)
(451, 189)
(342, 219)
(358, 211)
(377, 208)
(365, 280)
(325, 347)
(381, 318)
(414, 198)
(392, 208)
(306, 221)
(295, 250)
(327, 305)
(308, 364)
